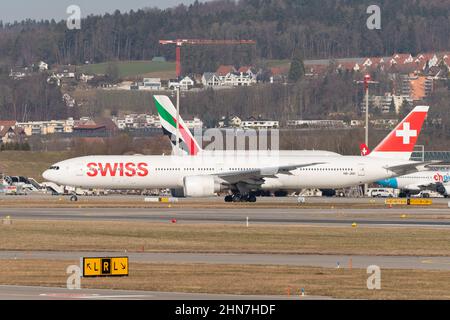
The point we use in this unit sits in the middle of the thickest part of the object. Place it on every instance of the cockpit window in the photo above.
(54, 168)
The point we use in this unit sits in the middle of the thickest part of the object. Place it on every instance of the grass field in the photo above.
(278, 63)
(219, 238)
(128, 69)
(240, 279)
(29, 164)
(74, 236)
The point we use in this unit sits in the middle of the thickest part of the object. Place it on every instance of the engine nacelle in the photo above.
(443, 189)
(200, 186)
(177, 193)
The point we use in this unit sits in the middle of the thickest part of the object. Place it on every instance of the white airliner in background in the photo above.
(241, 174)
(435, 180)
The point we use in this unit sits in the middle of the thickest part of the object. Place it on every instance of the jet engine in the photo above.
(178, 193)
(443, 189)
(200, 186)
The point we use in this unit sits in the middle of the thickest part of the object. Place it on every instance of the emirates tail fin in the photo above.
(168, 117)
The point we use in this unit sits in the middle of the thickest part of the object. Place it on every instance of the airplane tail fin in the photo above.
(364, 149)
(168, 117)
(400, 142)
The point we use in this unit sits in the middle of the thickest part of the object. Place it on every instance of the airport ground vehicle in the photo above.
(15, 190)
(381, 193)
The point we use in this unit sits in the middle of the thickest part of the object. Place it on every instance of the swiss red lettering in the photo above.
(108, 167)
(92, 169)
(129, 169)
(143, 171)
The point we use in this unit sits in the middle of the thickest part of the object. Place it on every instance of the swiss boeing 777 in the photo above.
(241, 174)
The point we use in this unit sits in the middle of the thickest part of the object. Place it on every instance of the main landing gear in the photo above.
(74, 198)
(237, 197)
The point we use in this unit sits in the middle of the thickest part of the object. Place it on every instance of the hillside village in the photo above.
(413, 78)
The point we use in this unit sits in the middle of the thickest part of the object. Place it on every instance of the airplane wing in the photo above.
(257, 176)
(408, 168)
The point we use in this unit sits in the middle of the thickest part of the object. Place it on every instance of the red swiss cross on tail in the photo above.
(401, 141)
(364, 149)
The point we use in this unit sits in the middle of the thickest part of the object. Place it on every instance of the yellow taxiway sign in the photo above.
(105, 267)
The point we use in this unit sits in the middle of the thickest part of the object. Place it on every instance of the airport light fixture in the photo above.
(367, 80)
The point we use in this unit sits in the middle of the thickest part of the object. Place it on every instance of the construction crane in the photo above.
(181, 42)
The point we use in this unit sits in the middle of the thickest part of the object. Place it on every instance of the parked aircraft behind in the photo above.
(436, 180)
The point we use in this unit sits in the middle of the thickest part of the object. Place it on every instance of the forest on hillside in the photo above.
(319, 29)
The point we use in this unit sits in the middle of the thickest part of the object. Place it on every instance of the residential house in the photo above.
(316, 123)
(249, 71)
(42, 66)
(66, 72)
(173, 84)
(210, 79)
(135, 121)
(102, 127)
(18, 73)
(194, 123)
(254, 123)
(349, 66)
(401, 58)
(384, 123)
(32, 128)
(421, 87)
(278, 74)
(53, 79)
(186, 83)
(86, 77)
(223, 70)
(150, 84)
(374, 63)
(11, 134)
(357, 123)
(68, 100)
(234, 79)
(383, 103)
(7, 130)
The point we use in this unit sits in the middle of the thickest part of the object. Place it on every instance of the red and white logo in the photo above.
(403, 138)
(406, 133)
(364, 149)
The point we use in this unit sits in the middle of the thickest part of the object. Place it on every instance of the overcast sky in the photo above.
(11, 10)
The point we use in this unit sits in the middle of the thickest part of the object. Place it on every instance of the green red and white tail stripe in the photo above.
(168, 117)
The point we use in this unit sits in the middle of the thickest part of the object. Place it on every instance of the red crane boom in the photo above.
(180, 42)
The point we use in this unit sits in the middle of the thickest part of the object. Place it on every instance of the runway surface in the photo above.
(429, 217)
(414, 217)
(326, 261)
(47, 293)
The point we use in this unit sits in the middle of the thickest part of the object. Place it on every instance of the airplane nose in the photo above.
(47, 175)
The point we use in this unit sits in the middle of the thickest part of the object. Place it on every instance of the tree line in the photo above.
(318, 29)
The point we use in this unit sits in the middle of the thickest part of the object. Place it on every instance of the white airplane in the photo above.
(241, 174)
(435, 180)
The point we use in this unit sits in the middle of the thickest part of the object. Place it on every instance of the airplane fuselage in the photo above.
(138, 171)
(419, 181)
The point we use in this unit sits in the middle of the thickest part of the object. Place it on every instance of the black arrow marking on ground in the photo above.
(123, 266)
(89, 266)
